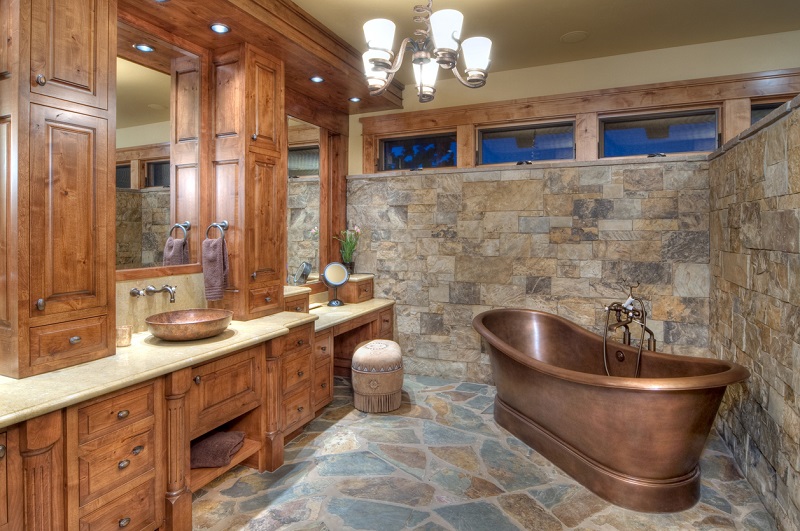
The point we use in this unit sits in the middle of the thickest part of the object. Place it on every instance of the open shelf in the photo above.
(199, 477)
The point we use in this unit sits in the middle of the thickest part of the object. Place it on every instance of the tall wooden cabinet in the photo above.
(249, 171)
(57, 200)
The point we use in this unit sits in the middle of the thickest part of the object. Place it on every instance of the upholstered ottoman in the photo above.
(377, 373)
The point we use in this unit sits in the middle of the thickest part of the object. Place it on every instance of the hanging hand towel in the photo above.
(215, 268)
(176, 251)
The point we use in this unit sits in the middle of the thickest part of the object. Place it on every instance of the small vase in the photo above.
(351, 267)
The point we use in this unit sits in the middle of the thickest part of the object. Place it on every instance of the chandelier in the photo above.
(437, 45)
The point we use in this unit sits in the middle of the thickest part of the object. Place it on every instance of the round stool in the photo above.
(377, 373)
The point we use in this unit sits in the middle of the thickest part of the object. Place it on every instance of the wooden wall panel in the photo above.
(186, 100)
(735, 117)
(227, 116)
(6, 40)
(586, 136)
(226, 176)
(5, 236)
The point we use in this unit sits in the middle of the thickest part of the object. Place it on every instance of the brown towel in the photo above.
(215, 268)
(176, 251)
(216, 450)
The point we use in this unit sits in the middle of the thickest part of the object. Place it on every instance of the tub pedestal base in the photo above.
(638, 494)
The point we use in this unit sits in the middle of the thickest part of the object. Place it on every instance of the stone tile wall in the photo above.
(143, 223)
(565, 238)
(302, 215)
(755, 303)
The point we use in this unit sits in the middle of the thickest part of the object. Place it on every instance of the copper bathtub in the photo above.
(635, 442)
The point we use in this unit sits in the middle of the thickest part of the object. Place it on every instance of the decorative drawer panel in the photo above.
(104, 469)
(386, 323)
(115, 412)
(323, 348)
(297, 409)
(323, 385)
(298, 339)
(224, 389)
(296, 370)
(61, 343)
(296, 304)
(135, 510)
(265, 298)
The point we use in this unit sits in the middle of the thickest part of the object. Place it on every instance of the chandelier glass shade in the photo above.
(438, 45)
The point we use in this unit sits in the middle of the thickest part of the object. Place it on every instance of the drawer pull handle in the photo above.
(300, 409)
(300, 342)
(124, 522)
(123, 464)
(300, 374)
(255, 136)
(323, 349)
(2, 451)
(40, 305)
(137, 450)
(123, 414)
(298, 308)
(41, 80)
(197, 380)
(324, 385)
(268, 299)
(386, 320)
(254, 275)
(74, 340)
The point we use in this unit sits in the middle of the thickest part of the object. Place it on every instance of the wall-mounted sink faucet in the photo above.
(152, 290)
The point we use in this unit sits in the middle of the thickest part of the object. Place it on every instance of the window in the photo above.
(157, 173)
(527, 143)
(655, 134)
(124, 176)
(303, 161)
(760, 110)
(430, 151)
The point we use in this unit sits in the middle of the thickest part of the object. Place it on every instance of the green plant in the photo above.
(349, 242)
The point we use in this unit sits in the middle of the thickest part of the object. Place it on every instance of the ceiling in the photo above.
(528, 33)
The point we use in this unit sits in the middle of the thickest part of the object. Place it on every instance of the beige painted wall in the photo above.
(753, 54)
(142, 135)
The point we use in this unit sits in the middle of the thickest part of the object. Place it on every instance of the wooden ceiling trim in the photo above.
(304, 108)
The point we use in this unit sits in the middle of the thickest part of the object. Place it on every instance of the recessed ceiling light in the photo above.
(218, 27)
(574, 36)
(317, 79)
(146, 48)
(355, 99)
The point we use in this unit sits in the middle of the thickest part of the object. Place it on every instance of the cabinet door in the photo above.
(68, 211)
(265, 238)
(69, 50)
(264, 102)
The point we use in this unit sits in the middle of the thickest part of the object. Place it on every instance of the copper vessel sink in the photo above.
(188, 325)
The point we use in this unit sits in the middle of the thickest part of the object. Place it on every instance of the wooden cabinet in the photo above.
(355, 291)
(296, 303)
(10, 481)
(114, 460)
(57, 205)
(41, 447)
(296, 377)
(249, 174)
(347, 336)
(386, 324)
(323, 369)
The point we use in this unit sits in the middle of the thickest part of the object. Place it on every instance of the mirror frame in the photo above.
(203, 143)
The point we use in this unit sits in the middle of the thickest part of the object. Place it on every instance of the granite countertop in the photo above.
(148, 357)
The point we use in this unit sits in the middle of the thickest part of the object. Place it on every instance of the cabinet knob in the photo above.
(300, 409)
(122, 465)
(254, 275)
(137, 450)
(124, 522)
(197, 380)
(123, 414)
(300, 342)
(268, 299)
(40, 304)
(41, 80)
(255, 136)
(74, 340)
(300, 373)
(2, 451)
(323, 349)
(323, 385)
(298, 308)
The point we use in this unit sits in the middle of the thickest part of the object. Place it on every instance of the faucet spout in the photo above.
(152, 290)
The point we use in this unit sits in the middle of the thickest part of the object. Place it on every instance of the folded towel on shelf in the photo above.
(216, 450)
(215, 268)
(176, 251)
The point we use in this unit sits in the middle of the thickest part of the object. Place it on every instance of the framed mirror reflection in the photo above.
(303, 201)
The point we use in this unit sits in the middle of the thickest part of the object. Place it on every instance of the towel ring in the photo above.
(222, 226)
(185, 226)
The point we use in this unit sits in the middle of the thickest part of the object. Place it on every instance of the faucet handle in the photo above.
(137, 292)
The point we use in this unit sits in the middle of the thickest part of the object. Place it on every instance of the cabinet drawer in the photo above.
(224, 389)
(298, 339)
(297, 409)
(115, 412)
(364, 290)
(265, 298)
(135, 510)
(104, 469)
(296, 304)
(386, 323)
(355, 291)
(296, 370)
(59, 343)
(323, 347)
(323, 385)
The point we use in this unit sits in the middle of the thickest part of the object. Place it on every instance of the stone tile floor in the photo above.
(441, 463)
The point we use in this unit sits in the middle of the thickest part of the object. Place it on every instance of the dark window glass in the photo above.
(666, 133)
(759, 111)
(529, 143)
(433, 151)
(157, 174)
(303, 161)
(124, 176)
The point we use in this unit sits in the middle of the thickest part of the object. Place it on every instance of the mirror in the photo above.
(157, 133)
(303, 199)
(335, 275)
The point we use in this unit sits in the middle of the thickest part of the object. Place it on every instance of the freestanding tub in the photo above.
(635, 442)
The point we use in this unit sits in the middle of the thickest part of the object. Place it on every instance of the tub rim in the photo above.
(732, 373)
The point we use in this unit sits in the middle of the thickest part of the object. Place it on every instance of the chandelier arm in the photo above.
(473, 84)
(398, 60)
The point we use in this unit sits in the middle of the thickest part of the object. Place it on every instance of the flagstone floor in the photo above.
(441, 463)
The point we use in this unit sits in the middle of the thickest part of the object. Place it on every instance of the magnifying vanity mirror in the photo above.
(303, 200)
(334, 276)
